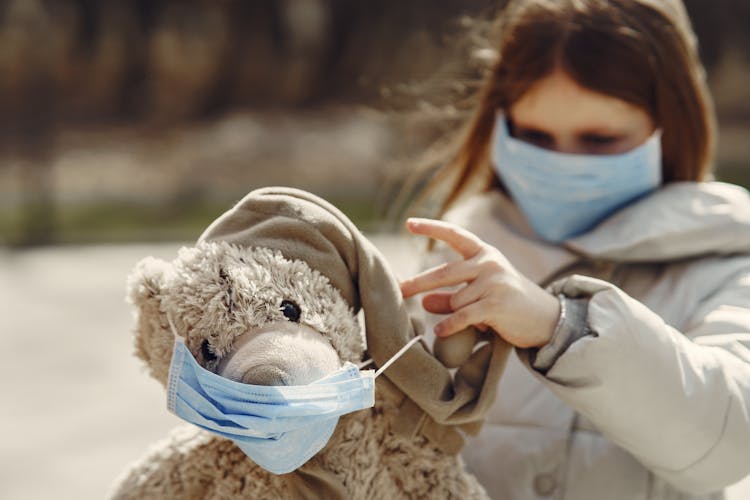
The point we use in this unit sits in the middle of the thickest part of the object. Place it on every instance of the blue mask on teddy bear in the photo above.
(278, 427)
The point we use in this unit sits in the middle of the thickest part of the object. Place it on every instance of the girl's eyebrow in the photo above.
(596, 130)
(600, 130)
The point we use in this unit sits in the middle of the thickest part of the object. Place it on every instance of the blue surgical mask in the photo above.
(278, 427)
(563, 195)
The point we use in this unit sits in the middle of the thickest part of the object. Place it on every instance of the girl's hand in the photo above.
(496, 295)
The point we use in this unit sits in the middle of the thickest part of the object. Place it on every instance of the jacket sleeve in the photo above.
(679, 402)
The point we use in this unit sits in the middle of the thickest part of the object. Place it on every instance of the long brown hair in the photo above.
(641, 51)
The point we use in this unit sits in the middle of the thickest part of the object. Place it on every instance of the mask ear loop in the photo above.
(393, 358)
(177, 337)
(365, 363)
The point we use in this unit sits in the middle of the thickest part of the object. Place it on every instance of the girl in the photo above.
(591, 238)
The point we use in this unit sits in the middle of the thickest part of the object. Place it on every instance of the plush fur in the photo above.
(218, 292)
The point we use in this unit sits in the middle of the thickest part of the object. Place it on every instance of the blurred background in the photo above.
(141, 120)
(126, 126)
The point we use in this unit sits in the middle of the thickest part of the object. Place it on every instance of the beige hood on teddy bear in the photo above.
(304, 227)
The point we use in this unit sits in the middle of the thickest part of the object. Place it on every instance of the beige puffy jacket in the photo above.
(655, 403)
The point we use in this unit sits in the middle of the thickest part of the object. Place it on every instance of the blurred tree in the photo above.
(175, 60)
(32, 73)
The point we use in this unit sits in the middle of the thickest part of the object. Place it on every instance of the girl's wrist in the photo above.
(548, 316)
(554, 320)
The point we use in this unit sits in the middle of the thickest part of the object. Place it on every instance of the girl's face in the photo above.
(558, 114)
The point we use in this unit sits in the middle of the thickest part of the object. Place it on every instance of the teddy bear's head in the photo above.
(246, 313)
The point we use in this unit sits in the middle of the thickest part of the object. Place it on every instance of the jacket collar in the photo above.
(680, 220)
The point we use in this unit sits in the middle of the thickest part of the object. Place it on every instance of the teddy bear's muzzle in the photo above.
(281, 353)
(266, 375)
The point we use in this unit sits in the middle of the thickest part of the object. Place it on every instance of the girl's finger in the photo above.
(452, 273)
(473, 292)
(438, 302)
(459, 239)
(473, 314)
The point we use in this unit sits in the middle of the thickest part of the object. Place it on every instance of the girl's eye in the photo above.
(599, 140)
(290, 310)
(208, 354)
(536, 137)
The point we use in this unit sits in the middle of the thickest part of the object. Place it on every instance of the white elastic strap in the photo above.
(174, 330)
(364, 363)
(397, 355)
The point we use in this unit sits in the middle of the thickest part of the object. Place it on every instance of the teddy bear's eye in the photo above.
(208, 354)
(290, 310)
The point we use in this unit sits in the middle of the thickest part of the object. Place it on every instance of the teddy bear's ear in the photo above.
(153, 337)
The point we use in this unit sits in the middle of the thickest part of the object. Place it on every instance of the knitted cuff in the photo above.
(570, 327)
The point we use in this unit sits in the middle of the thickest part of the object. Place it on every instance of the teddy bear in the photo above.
(278, 308)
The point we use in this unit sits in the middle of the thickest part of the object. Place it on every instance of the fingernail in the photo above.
(439, 329)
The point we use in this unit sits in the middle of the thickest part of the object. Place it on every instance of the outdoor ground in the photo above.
(77, 404)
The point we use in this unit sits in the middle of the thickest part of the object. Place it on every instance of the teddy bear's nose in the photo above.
(265, 375)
